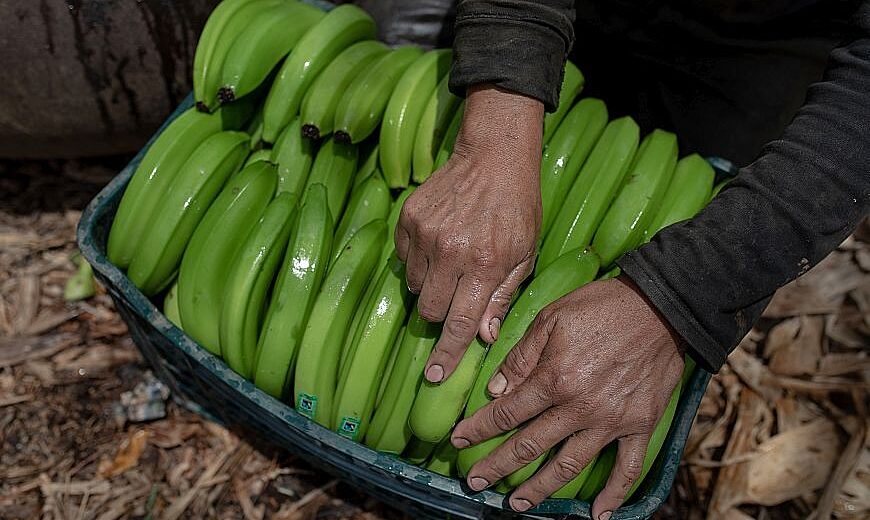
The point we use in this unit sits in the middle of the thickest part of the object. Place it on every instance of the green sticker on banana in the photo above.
(349, 427)
(306, 405)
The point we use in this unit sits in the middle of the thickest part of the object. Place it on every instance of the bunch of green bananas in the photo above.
(265, 223)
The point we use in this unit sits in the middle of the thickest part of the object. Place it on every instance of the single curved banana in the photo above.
(572, 85)
(227, 21)
(566, 153)
(263, 44)
(433, 125)
(391, 365)
(318, 106)
(368, 158)
(446, 149)
(341, 27)
(403, 113)
(567, 273)
(389, 430)
(371, 201)
(319, 353)
(687, 194)
(213, 246)
(212, 33)
(170, 306)
(249, 278)
(357, 391)
(162, 161)
(258, 156)
(188, 197)
(592, 191)
(363, 103)
(294, 156)
(299, 280)
(437, 406)
(635, 205)
(334, 167)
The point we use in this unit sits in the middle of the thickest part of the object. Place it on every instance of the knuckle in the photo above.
(484, 258)
(428, 311)
(516, 362)
(502, 417)
(631, 470)
(566, 468)
(460, 327)
(526, 450)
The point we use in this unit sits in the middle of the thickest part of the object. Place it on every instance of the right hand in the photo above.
(469, 234)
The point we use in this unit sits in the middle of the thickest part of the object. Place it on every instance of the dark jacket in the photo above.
(727, 81)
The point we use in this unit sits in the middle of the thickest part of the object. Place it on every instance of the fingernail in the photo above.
(520, 504)
(460, 443)
(498, 384)
(494, 327)
(478, 483)
(435, 374)
(605, 515)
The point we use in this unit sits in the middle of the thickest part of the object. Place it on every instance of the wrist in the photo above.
(678, 341)
(501, 122)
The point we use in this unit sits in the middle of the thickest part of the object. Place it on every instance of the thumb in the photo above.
(523, 357)
(500, 301)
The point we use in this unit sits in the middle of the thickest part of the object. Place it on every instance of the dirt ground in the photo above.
(781, 433)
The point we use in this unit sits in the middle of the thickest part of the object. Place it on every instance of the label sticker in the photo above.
(349, 427)
(307, 405)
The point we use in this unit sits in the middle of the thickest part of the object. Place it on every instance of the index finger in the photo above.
(469, 301)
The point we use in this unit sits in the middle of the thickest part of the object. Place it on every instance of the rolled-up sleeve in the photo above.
(517, 45)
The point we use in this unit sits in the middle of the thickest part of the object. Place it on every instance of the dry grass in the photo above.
(782, 431)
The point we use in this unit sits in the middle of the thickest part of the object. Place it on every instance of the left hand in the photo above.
(597, 365)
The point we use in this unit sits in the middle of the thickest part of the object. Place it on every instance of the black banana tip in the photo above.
(342, 137)
(310, 131)
(226, 95)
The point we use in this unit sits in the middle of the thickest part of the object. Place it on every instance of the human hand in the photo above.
(468, 234)
(595, 366)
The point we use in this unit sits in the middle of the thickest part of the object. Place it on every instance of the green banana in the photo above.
(437, 406)
(404, 110)
(262, 45)
(357, 391)
(361, 107)
(318, 105)
(592, 191)
(255, 130)
(300, 276)
(341, 27)
(389, 430)
(213, 246)
(223, 24)
(686, 195)
(371, 201)
(717, 188)
(334, 167)
(573, 486)
(191, 192)
(368, 158)
(566, 153)
(327, 326)
(258, 156)
(294, 156)
(449, 140)
(418, 451)
(170, 306)
(391, 365)
(433, 125)
(642, 191)
(248, 281)
(163, 158)
(567, 273)
(599, 472)
(443, 459)
(572, 84)
(612, 273)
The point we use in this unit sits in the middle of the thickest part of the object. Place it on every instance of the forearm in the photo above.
(502, 122)
(711, 277)
(517, 45)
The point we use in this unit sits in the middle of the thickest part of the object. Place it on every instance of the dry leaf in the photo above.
(848, 460)
(781, 335)
(838, 364)
(853, 501)
(753, 372)
(800, 356)
(127, 457)
(820, 291)
(792, 413)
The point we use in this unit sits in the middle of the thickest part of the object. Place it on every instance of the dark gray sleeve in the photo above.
(712, 276)
(518, 45)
